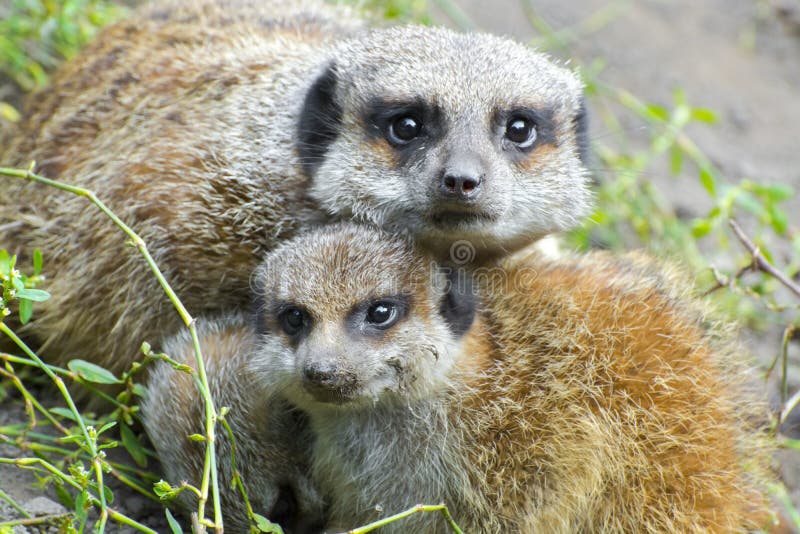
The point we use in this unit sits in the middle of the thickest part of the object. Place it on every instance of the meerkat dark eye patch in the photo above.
(375, 316)
(404, 125)
(382, 314)
(523, 129)
(460, 301)
(319, 121)
(403, 129)
(293, 320)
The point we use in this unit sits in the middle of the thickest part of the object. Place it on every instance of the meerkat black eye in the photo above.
(382, 314)
(293, 320)
(404, 129)
(521, 131)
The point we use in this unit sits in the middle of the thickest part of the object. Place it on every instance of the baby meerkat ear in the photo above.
(459, 301)
(320, 117)
(581, 124)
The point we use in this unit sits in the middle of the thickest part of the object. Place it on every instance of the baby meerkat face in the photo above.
(348, 315)
(448, 136)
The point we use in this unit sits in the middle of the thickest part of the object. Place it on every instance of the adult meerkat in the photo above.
(219, 129)
(272, 438)
(586, 394)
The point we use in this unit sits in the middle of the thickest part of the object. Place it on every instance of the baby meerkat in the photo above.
(587, 394)
(217, 129)
(272, 438)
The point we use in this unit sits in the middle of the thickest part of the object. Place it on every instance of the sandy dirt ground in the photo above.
(739, 58)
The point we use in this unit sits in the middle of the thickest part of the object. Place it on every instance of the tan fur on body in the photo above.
(272, 439)
(218, 129)
(590, 394)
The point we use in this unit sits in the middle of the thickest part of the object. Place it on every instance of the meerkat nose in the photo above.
(461, 187)
(327, 375)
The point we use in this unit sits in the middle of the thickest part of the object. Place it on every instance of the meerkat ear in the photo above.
(318, 124)
(459, 302)
(581, 123)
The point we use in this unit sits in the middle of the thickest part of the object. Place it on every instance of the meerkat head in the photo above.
(449, 136)
(347, 314)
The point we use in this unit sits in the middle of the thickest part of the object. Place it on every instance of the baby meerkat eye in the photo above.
(293, 320)
(521, 131)
(382, 314)
(404, 129)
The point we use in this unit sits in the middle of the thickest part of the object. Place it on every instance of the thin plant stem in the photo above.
(90, 440)
(11, 502)
(38, 464)
(64, 372)
(760, 263)
(30, 521)
(33, 401)
(209, 465)
(237, 479)
(420, 508)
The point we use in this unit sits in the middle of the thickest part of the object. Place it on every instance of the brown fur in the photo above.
(636, 416)
(591, 394)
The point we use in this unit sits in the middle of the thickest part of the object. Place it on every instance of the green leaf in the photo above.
(700, 228)
(704, 115)
(25, 311)
(679, 96)
(36, 295)
(5, 263)
(18, 284)
(163, 490)
(779, 192)
(675, 159)
(38, 260)
(106, 426)
(139, 390)
(265, 525)
(751, 203)
(657, 112)
(8, 112)
(64, 496)
(92, 373)
(708, 181)
(132, 445)
(66, 413)
(82, 506)
(778, 219)
(173, 524)
(109, 495)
